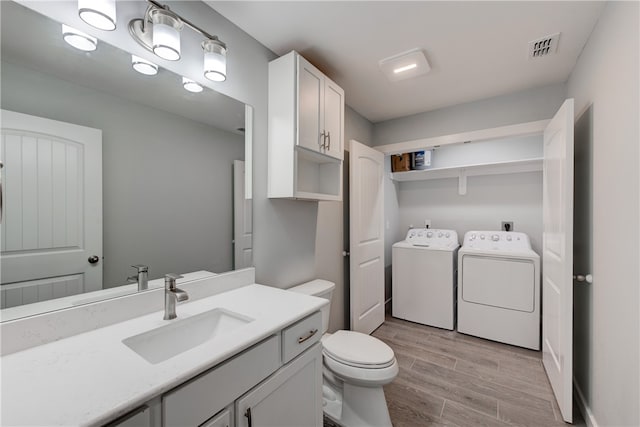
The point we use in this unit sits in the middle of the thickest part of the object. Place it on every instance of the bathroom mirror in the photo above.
(175, 194)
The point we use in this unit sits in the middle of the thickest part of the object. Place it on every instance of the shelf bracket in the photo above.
(462, 182)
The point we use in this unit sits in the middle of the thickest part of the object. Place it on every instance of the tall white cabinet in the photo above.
(306, 131)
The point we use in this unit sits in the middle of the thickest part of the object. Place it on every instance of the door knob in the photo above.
(93, 259)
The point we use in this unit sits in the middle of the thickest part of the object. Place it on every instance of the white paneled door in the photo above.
(557, 257)
(242, 219)
(366, 206)
(51, 238)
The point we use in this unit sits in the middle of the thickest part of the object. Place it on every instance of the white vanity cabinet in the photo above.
(291, 397)
(258, 386)
(306, 131)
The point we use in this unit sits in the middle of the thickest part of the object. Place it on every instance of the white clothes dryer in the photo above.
(423, 285)
(499, 288)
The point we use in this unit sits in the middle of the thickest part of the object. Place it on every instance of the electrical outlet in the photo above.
(427, 223)
(507, 226)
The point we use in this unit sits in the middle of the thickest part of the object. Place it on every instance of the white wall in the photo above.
(489, 200)
(525, 106)
(605, 86)
(332, 233)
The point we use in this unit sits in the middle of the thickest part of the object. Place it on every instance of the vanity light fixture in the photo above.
(191, 86)
(159, 32)
(215, 60)
(100, 14)
(166, 34)
(78, 39)
(143, 66)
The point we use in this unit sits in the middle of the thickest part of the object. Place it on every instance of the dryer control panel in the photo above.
(497, 240)
(433, 238)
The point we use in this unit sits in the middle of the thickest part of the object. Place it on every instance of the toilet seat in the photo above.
(358, 350)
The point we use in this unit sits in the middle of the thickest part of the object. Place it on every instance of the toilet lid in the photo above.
(358, 349)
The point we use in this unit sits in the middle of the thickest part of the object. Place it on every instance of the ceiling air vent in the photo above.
(544, 47)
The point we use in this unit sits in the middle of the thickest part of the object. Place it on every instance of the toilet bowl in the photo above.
(355, 368)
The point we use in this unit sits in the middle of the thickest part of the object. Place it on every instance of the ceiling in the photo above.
(476, 49)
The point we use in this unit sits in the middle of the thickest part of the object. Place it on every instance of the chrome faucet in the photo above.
(142, 277)
(172, 295)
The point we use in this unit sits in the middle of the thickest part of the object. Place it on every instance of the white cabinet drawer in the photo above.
(223, 419)
(300, 336)
(196, 401)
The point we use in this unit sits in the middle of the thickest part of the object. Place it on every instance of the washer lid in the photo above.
(358, 349)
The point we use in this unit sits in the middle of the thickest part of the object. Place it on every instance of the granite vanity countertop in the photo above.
(93, 378)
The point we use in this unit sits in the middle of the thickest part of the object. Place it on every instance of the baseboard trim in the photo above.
(588, 416)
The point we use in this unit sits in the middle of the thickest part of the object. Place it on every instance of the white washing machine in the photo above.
(499, 288)
(424, 277)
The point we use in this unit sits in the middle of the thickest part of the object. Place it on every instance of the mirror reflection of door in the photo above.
(52, 209)
(242, 219)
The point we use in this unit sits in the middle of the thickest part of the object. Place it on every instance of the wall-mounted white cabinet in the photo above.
(306, 131)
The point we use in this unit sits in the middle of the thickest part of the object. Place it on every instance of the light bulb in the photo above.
(191, 86)
(143, 66)
(215, 60)
(78, 39)
(166, 34)
(100, 14)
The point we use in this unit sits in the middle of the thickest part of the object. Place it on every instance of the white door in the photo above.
(366, 233)
(52, 209)
(557, 256)
(242, 219)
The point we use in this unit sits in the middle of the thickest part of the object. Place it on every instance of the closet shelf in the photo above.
(494, 168)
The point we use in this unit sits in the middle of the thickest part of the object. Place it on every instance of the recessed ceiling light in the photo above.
(405, 68)
(405, 65)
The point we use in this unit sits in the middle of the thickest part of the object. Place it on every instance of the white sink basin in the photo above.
(180, 335)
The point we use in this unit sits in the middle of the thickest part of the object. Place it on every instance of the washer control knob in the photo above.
(495, 237)
(473, 237)
(509, 238)
(430, 234)
(448, 235)
(482, 237)
(439, 234)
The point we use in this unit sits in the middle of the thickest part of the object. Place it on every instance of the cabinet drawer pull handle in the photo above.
(329, 138)
(322, 141)
(309, 335)
(248, 415)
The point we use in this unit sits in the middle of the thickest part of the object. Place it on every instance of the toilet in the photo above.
(355, 367)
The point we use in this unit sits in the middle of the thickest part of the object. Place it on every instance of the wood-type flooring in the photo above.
(451, 379)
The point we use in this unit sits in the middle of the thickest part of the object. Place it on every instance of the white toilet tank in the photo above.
(318, 288)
